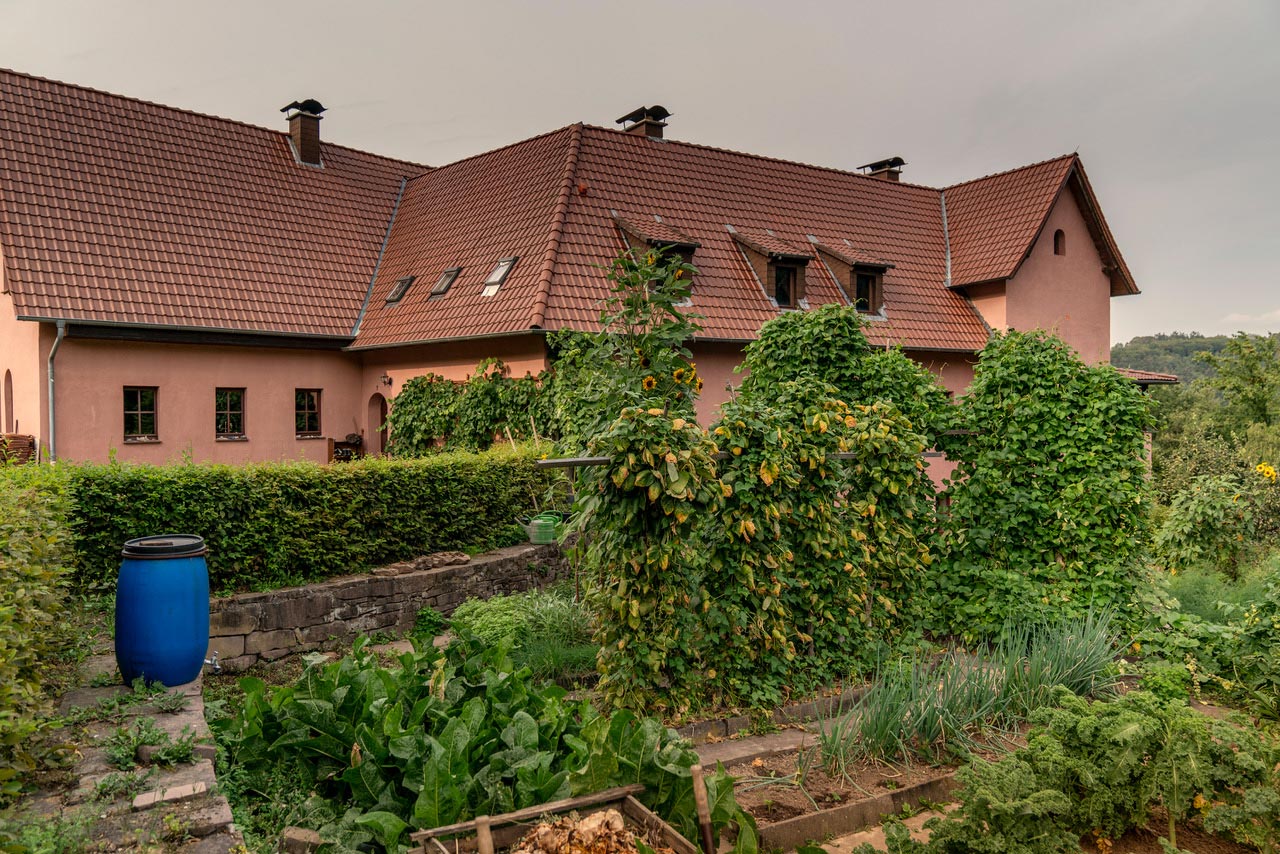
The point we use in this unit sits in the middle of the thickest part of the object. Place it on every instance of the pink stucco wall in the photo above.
(989, 301)
(716, 362)
(20, 359)
(1065, 294)
(91, 376)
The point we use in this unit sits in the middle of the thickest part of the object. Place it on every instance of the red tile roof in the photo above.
(120, 211)
(993, 221)
(1148, 377)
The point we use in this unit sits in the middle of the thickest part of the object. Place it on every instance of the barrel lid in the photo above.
(165, 545)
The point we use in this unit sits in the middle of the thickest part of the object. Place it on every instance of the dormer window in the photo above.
(866, 290)
(778, 264)
(785, 278)
(400, 289)
(446, 280)
(499, 275)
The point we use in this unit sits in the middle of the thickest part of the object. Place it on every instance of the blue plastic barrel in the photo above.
(162, 609)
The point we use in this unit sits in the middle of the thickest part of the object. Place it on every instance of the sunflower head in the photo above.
(678, 375)
(649, 383)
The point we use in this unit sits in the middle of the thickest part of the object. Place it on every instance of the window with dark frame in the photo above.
(446, 280)
(306, 411)
(499, 275)
(784, 284)
(1059, 242)
(866, 291)
(400, 289)
(140, 413)
(228, 413)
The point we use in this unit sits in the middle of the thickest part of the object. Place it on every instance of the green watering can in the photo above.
(541, 528)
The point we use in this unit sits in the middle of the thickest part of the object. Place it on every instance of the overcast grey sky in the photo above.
(1173, 106)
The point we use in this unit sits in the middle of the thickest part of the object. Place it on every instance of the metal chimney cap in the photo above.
(311, 107)
(656, 113)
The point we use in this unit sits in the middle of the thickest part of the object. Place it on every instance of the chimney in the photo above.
(887, 170)
(304, 130)
(646, 121)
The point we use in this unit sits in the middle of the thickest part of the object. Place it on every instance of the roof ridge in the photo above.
(543, 293)
(1038, 163)
(751, 156)
(198, 114)
(445, 166)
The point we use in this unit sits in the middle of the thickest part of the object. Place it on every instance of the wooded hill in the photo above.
(1169, 353)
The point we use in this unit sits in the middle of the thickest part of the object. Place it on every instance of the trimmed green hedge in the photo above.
(33, 553)
(275, 524)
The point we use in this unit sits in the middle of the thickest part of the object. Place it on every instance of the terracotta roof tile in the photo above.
(116, 210)
(655, 231)
(705, 189)
(1148, 377)
(992, 221)
(471, 214)
(122, 211)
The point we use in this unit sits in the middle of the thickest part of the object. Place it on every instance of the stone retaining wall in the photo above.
(254, 627)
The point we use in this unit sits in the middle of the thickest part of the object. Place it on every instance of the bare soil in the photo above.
(780, 787)
(1147, 841)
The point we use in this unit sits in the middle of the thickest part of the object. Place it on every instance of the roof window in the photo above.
(400, 289)
(498, 276)
(446, 280)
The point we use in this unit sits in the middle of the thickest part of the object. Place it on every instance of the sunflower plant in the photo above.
(640, 356)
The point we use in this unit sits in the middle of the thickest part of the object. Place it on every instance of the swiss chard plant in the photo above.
(373, 752)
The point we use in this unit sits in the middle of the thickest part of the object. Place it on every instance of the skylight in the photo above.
(498, 276)
(447, 278)
(401, 287)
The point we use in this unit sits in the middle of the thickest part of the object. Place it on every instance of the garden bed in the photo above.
(790, 813)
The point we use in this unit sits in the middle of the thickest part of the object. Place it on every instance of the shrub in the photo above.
(273, 524)
(34, 555)
(1048, 507)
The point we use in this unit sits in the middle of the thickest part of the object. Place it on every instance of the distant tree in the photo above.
(1247, 373)
(1168, 353)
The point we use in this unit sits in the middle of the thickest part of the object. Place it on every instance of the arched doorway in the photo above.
(8, 401)
(376, 444)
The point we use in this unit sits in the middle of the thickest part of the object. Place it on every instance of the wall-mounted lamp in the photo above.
(386, 380)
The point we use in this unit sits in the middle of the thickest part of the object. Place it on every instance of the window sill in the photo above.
(140, 441)
(231, 439)
(307, 436)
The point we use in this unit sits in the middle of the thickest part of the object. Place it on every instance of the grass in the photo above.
(938, 707)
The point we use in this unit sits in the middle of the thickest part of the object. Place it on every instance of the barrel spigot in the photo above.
(213, 662)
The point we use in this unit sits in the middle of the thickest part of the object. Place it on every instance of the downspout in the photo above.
(53, 431)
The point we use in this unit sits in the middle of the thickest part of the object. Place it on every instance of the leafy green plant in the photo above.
(1048, 504)
(35, 556)
(1207, 522)
(121, 746)
(170, 702)
(428, 623)
(442, 737)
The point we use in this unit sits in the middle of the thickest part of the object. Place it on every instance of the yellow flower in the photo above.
(679, 274)
(725, 489)
(678, 423)
(678, 374)
(1137, 647)
(649, 383)
(699, 385)
(1199, 802)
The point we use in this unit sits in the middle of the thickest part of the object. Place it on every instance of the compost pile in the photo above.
(599, 833)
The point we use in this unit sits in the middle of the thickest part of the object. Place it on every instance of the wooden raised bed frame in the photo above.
(503, 831)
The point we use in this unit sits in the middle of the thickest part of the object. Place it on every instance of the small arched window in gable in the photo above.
(1059, 242)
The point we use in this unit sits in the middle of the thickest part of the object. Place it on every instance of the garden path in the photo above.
(154, 807)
